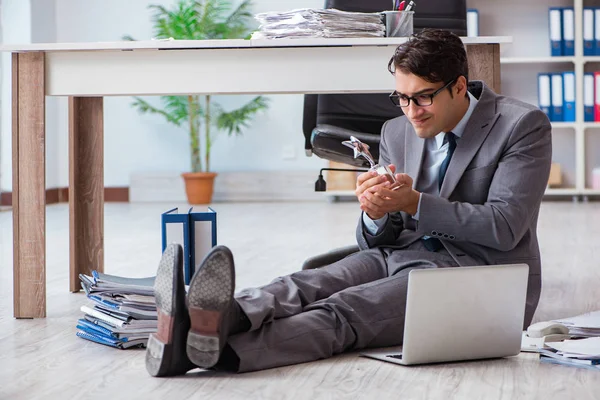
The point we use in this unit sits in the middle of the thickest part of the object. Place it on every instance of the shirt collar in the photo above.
(460, 127)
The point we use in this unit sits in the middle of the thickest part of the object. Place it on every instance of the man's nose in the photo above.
(413, 110)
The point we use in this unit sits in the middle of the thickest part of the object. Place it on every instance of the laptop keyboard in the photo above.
(398, 356)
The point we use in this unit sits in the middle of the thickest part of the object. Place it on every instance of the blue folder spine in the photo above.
(557, 97)
(588, 97)
(569, 96)
(589, 42)
(544, 90)
(568, 31)
(597, 31)
(555, 28)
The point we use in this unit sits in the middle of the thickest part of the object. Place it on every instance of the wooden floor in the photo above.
(42, 359)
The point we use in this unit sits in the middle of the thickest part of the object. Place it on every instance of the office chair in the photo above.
(330, 119)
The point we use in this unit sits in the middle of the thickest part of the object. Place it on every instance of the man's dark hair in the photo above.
(435, 55)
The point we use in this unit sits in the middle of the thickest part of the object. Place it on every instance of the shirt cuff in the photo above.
(416, 216)
(373, 226)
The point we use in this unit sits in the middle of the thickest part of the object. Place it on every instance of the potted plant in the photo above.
(198, 20)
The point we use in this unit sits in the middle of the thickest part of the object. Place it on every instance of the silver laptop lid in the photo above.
(464, 313)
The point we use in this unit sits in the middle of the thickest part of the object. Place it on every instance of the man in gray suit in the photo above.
(471, 166)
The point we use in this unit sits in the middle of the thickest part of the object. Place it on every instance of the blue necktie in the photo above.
(431, 243)
(450, 138)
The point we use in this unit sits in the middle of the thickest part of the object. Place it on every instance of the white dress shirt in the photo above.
(433, 157)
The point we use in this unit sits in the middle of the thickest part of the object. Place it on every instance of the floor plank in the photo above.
(42, 358)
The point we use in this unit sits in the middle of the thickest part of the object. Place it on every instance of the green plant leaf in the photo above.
(233, 121)
(144, 107)
(200, 20)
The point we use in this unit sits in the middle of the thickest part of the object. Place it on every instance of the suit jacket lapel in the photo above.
(478, 128)
(414, 147)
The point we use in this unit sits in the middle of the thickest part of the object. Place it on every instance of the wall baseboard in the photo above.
(229, 186)
(150, 187)
(61, 195)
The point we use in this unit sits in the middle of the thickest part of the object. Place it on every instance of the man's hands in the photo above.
(377, 197)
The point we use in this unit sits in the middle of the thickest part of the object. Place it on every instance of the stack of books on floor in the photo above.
(122, 313)
(309, 22)
(583, 352)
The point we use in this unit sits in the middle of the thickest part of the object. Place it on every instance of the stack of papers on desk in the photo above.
(123, 310)
(308, 22)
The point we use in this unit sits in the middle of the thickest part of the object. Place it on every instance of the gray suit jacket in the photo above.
(488, 206)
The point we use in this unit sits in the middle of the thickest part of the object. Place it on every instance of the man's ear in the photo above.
(461, 86)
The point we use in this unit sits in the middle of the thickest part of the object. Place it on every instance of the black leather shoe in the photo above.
(166, 355)
(210, 302)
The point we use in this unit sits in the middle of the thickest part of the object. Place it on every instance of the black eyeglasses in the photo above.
(421, 100)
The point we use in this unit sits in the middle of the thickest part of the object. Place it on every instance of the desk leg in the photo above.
(86, 187)
(29, 185)
(484, 64)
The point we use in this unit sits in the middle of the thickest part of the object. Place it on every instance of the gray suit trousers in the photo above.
(355, 303)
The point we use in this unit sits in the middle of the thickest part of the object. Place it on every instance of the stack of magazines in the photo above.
(123, 310)
(309, 22)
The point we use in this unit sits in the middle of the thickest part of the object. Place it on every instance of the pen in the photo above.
(401, 5)
(410, 6)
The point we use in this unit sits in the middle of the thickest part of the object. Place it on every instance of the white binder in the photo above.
(569, 96)
(568, 25)
(588, 97)
(557, 97)
(544, 94)
(472, 22)
(555, 17)
(589, 47)
(597, 30)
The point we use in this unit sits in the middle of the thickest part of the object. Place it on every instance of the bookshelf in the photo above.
(575, 144)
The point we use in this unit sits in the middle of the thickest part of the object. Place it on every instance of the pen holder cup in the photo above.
(398, 23)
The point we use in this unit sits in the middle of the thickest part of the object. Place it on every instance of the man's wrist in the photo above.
(413, 205)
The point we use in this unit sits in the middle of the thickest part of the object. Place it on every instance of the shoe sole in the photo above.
(159, 352)
(209, 297)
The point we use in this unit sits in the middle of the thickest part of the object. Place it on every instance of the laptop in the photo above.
(461, 313)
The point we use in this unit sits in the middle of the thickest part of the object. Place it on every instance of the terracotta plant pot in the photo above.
(199, 186)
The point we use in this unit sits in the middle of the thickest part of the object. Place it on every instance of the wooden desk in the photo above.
(88, 71)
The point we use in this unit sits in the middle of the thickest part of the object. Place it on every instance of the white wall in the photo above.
(135, 143)
(15, 16)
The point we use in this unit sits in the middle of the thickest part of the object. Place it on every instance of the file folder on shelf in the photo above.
(589, 43)
(568, 31)
(472, 22)
(569, 96)
(588, 97)
(555, 26)
(597, 31)
(544, 94)
(557, 97)
(195, 230)
(597, 96)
